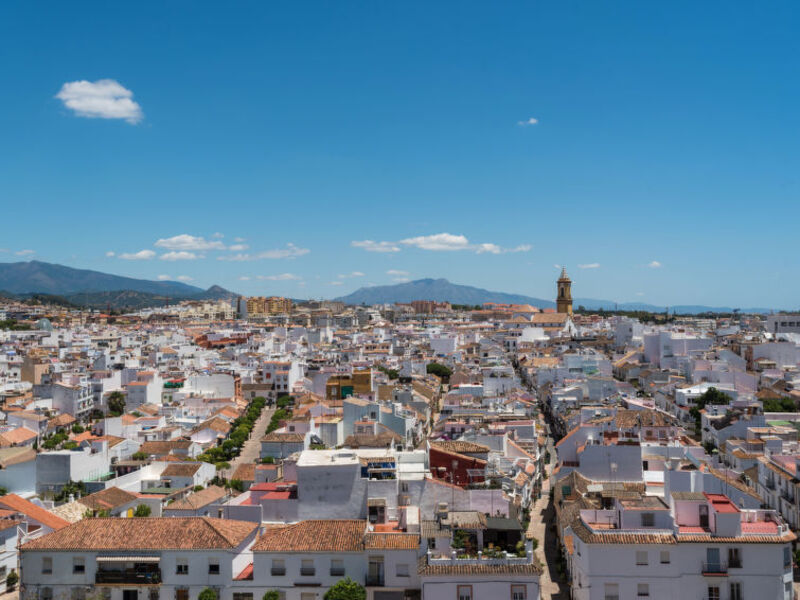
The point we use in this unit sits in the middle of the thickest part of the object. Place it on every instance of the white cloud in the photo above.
(291, 251)
(335, 283)
(438, 242)
(397, 273)
(102, 99)
(184, 278)
(141, 255)
(589, 266)
(238, 247)
(239, 239)
(371, 246)
(654, 265)
(244, 278)
(640, 293)
(218, 235)
(110, 254)
(25, 252)
(528, 122)
(281, 277)
(351, 275)
(401, 279)
(164, 278)
(185, 241)
(180, 255)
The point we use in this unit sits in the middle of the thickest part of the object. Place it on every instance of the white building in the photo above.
(701, 546)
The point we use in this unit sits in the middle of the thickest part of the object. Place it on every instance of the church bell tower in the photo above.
(564, 291)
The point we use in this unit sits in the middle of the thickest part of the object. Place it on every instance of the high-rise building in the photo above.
(564, 291)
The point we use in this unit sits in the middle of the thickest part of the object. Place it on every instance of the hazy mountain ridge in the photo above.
(58, 284)
(442, 290)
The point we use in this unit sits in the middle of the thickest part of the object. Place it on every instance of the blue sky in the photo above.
(652, 148)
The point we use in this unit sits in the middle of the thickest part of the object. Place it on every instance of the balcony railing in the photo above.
(128, 576)
(307, 571)
(715, 568)
(375, 581)
(277, 571)
(337, 572)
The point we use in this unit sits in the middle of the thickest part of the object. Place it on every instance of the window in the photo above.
(464, 592)
(432, 543)
(648, 519)
(181, 568)
(213, 568)
(664, 557)
(337, 567)
(736, 591)
(307, 567)
(182, 594)
(278, 567)
(734, 558)
(47, 566)
(519, 592)
(713, 592)
(402, 570)
(642, 590)
(641, 557)
(46, 593)
(78, 565)
(787, 556)
(611, 591)
(242, 596)
(308, 596)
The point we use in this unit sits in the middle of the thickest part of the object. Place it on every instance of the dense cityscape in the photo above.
(260, 448)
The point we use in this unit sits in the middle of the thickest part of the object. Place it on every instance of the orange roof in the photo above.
(37, 513)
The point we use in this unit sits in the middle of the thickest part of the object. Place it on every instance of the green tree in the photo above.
(116, 403)
(77, 428)
(142, 511)
(345, 589)
(139, 456)
(439, 370)
(207, 594)
(271, 595)
(779, 405)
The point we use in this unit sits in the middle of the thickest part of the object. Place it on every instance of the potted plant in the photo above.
(11, 580)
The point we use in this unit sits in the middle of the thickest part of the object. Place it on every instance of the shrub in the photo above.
(142, 511)
(345, 589)
(12, 579)
(207, 594)
(271, 595)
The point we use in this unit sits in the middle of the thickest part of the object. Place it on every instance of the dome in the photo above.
(44, 324)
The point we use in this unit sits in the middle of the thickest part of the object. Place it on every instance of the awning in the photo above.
(136, 559)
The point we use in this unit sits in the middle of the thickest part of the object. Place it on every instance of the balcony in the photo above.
(717, 569)
(277, 571)
(375, 581)
(308, 571)
(128, 576)
(337, 572)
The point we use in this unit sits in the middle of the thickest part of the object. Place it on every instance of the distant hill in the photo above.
(49, 278)
(58, 284)
(441, 290)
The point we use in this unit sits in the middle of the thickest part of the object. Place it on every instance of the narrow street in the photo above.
(542, 527)
(252, 447)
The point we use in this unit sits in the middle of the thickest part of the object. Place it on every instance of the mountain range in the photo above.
(441, 290)
(59, 284)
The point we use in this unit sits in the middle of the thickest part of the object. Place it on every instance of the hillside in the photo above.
(56, 284)
(442, 290)
(49, 278)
